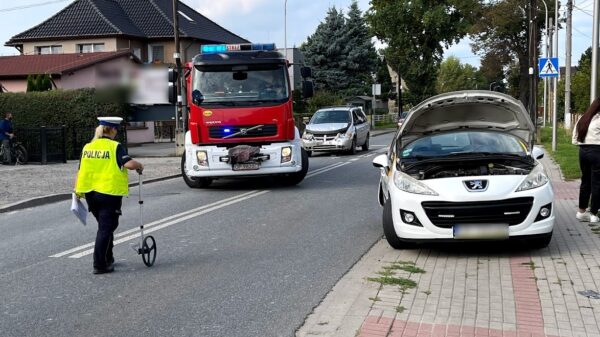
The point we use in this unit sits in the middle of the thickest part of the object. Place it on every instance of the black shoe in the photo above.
(106, 270)
(111, 260)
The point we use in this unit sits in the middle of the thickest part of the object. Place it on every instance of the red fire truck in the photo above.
(240, 120)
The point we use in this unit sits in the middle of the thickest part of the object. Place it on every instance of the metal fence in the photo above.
(58, 144)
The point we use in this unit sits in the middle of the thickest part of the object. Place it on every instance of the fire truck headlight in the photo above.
(286, 154)
(202, 157)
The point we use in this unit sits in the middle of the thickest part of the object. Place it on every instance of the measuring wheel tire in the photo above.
(149, 250)
(193, 182)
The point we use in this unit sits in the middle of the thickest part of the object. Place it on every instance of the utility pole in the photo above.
(569, 34)
(555, 79)
(533, 62)
(179, 132)
(594, 79)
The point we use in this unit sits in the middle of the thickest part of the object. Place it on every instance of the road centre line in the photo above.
(148, 228)
(154, 223)
(173, 222)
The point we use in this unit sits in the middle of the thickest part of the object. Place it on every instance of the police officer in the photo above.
(102, 178)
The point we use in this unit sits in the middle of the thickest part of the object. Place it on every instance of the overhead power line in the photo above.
(11, 9)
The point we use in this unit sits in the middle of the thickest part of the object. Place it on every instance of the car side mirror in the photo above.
(537, 152)
(381, 161)
(197, 97)
(308, 89)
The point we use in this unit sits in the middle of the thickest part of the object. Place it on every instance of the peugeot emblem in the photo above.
(476, 185)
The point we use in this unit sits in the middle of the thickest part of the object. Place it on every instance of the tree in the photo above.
(501, 35)
(581, 83)
(382, 76)
(416, 32)
(454, 75)
(324, 52)
(361, 57)
(30, 83)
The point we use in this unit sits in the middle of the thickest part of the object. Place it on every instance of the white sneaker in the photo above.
(594, 219)
(585, 216)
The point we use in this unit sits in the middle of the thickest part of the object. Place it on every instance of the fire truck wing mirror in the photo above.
(197, 97)
(308, 89)
(172, 92)
(240, 76)
(306, 72)
(173, 75)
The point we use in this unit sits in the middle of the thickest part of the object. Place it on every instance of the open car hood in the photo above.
(472, 109)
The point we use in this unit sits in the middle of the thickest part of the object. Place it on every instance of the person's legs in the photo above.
(595, 179)
(106, 209)
(585, 189)
(6, 146)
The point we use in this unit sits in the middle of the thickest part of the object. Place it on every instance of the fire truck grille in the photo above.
(243, 131)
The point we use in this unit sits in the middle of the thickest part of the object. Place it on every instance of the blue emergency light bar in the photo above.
(224, 48)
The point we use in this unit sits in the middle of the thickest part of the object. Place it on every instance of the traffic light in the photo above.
(173, 77)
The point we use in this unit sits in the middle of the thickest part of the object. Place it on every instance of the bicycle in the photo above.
(17, 152)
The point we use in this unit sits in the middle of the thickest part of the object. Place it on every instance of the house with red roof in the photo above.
(92, 43)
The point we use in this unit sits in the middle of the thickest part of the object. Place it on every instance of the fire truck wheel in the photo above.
(193, 182)
(295, 178)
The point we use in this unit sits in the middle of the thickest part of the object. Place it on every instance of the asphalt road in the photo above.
(243, 258)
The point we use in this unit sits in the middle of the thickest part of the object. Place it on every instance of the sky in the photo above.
(263, 21)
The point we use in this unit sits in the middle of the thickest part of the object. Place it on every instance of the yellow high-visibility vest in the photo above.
(98, 170)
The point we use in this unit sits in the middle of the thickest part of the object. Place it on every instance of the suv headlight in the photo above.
(409, 184)
(536, 178)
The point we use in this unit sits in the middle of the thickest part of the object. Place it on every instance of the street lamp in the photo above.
(285, 29)
(546, 43)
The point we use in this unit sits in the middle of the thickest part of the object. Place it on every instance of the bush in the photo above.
(323, 98)
(76, 109)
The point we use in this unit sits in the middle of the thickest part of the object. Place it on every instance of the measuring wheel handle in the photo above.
(148, 250)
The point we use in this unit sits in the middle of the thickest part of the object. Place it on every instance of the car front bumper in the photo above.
(409, 202)
(334, 144)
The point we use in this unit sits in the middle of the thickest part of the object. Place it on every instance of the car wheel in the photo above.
(541, 241)
(365, 146)
(388, 226)
(352, 149)
(193, 182)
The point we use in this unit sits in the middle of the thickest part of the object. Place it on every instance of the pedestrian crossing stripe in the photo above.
(548, 67)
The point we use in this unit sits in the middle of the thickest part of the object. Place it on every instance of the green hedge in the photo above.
(76, 109)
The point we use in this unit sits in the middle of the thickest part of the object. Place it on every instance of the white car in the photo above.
(463, 167)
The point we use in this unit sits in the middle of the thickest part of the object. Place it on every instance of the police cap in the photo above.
(110, 121)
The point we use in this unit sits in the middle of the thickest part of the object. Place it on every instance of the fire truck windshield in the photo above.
(249, 86)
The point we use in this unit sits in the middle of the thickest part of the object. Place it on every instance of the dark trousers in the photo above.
(589, 162)
(106, 209)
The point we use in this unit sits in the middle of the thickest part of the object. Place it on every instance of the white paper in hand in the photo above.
(78, 208)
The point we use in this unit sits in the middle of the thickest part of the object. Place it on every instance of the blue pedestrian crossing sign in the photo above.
(548, 67)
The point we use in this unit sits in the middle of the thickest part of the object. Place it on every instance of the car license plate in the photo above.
(246, 166)
(480, 231)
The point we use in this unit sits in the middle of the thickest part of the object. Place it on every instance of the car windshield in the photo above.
(330, 116)
(464, 143)
(250, 86)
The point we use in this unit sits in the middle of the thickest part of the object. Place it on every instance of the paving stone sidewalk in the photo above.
(32, 181)
(473, 291)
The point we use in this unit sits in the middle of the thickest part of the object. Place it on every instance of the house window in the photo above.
(156, 53)
(90, 47)
(45, 50)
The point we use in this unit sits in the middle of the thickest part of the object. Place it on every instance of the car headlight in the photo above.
(409, 184)
(536, 178)
(308, 136)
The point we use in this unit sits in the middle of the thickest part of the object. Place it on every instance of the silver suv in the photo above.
(337, 129)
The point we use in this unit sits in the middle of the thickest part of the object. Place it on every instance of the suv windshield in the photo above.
(330, 116)
(239, 87)
(464, 143)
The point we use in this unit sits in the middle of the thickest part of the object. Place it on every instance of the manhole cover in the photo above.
(590, 294)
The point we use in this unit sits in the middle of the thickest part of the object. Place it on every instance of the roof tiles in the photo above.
(132, 18)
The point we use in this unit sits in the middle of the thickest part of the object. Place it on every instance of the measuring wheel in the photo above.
(148, 250)
(147, 247)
